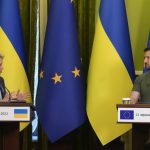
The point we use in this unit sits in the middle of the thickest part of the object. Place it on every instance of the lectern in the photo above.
(11, 114)
(139, 116)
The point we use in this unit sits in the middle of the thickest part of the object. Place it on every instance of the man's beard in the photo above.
(147, 66)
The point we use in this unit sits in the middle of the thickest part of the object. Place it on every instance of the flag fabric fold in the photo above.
(60, 96)
(148, 45)
(148, 42)
(111, 70)
(11, 46)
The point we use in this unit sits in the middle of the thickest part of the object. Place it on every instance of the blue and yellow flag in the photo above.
(111, 71)
(11, 46)
(148, 45)
(20, 113)
(60, 94)
(148, 42)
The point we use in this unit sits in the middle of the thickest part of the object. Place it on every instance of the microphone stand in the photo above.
(8, 93)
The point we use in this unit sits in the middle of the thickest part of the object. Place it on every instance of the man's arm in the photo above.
(134, 97)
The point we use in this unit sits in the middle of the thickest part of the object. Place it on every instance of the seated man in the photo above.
(141, 87)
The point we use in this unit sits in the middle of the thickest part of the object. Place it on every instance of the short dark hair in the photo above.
(147, 49)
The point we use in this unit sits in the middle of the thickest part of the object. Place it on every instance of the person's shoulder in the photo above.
(144, 75)
(1, 78)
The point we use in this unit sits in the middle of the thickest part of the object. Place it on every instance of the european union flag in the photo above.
(60, 95)
(126, 114)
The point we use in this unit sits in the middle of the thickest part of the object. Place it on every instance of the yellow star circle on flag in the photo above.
(41, 74)
(57, 78)
(76, 72)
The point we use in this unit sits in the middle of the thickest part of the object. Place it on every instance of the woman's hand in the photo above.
(20, 95)
(6, 98)
(23, 96)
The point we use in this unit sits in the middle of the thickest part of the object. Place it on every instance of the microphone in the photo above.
(8, 93)
(2, 89)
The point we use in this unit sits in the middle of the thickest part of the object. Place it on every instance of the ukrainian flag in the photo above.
(111, 71)
(20, 113)
(148, 42)
(11, 46)
(148, 45)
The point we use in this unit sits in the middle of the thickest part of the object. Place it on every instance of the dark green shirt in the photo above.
(142, 85)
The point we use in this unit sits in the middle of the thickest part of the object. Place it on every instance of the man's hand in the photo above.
(134, 97)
